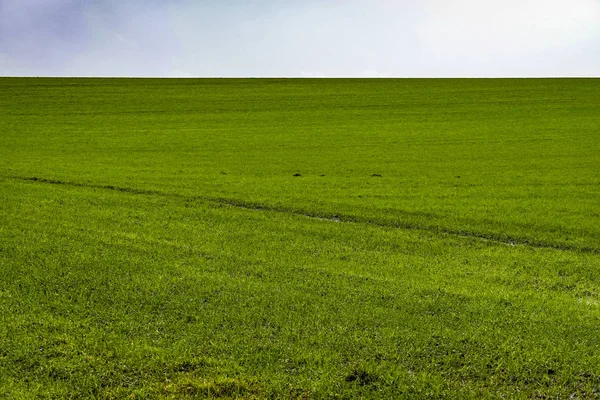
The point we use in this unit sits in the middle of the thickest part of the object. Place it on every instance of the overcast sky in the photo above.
(331, 38)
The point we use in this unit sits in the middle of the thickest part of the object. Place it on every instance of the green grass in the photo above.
(442, 239)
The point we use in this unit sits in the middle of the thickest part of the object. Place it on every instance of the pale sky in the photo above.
(285, 38)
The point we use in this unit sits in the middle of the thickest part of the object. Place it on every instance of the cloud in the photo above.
(291, 38)
(42, 30)
(509, 35)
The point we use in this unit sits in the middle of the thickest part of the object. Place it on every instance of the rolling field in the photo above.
(263, 238)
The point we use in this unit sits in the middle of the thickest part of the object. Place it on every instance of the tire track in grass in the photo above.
(507, 241)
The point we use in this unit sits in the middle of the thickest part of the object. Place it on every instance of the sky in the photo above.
(302, 38)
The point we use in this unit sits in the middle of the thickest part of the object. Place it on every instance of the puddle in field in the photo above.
(334, 219)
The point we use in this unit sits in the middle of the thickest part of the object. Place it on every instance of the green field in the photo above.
(267, 238)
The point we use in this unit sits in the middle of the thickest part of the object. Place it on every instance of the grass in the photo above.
(299, 238)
